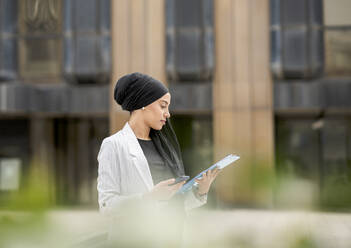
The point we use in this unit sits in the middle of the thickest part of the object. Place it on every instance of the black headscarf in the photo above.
(136, 90)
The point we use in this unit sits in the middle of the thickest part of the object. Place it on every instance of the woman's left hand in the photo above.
(205, 182)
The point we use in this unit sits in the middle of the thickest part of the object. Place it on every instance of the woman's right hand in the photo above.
(162, 191)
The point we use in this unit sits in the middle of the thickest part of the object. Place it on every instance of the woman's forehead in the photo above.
(166, 98)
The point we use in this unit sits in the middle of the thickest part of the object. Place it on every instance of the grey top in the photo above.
(159, 170)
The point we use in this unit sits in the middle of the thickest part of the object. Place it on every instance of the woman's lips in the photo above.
(164, 122)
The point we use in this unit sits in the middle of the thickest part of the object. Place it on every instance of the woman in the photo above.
(138, 163)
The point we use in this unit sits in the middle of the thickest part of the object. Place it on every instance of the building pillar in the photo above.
(42, 158)
(242, 101)
(138, 45)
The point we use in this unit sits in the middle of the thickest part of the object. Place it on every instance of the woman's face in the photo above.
(156, 113)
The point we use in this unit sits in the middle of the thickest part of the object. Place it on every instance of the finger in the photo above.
(169, 181)
(217, 172)
(175, 188)
(212, 172)
(201, 177)
(178, 185)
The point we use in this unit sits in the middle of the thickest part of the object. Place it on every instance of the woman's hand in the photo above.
(205, 182)
(162, 191)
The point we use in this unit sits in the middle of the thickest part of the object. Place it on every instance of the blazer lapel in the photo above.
(139, 159)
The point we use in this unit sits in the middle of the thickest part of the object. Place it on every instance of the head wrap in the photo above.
(136, 90)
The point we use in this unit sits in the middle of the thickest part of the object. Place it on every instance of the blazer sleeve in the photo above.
(111, 202)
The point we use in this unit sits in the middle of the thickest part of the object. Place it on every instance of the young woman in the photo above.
(138, 163)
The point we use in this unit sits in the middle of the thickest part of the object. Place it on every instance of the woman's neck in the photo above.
(139, 128)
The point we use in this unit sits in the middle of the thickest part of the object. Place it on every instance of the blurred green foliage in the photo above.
(34, 195)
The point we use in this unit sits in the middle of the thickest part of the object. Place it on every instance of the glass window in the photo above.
(87, 41)
(318, 151)
(337, 21)
(310, 38)
(8, 40)
(296, 39)
(189, 40)
(297, 148)
(338, 52)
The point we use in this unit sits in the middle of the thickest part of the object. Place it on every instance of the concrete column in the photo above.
(242, 97)
(138, 44)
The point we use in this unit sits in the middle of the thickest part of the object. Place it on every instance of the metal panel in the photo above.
(189, 54)
(317, 53)
(328, 94)
(47, 99)
(294, 12)
(85, 17)
(298, 96)
(95, 100)
(337, 94)
(8, 64)
(189, 41)
(191, 98)
(295, 60)
(61, 98)
(8, 43)
(297, 49)
(316, 12)
(86, 60)
(185, 14)
(8, 15)
(15, 97)
(87, 42)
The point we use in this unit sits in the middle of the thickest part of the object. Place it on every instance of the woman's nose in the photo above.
(168, 115)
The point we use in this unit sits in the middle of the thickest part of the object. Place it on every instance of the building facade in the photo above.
(269, 80)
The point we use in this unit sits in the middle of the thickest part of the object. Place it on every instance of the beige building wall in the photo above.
(242, 96)
(337, 12)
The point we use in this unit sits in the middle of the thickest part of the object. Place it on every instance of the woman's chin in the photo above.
(158, 127)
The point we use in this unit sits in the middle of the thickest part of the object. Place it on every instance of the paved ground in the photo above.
(249, 228)
(236, 228)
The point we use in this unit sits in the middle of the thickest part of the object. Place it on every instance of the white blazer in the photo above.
(124, 174)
